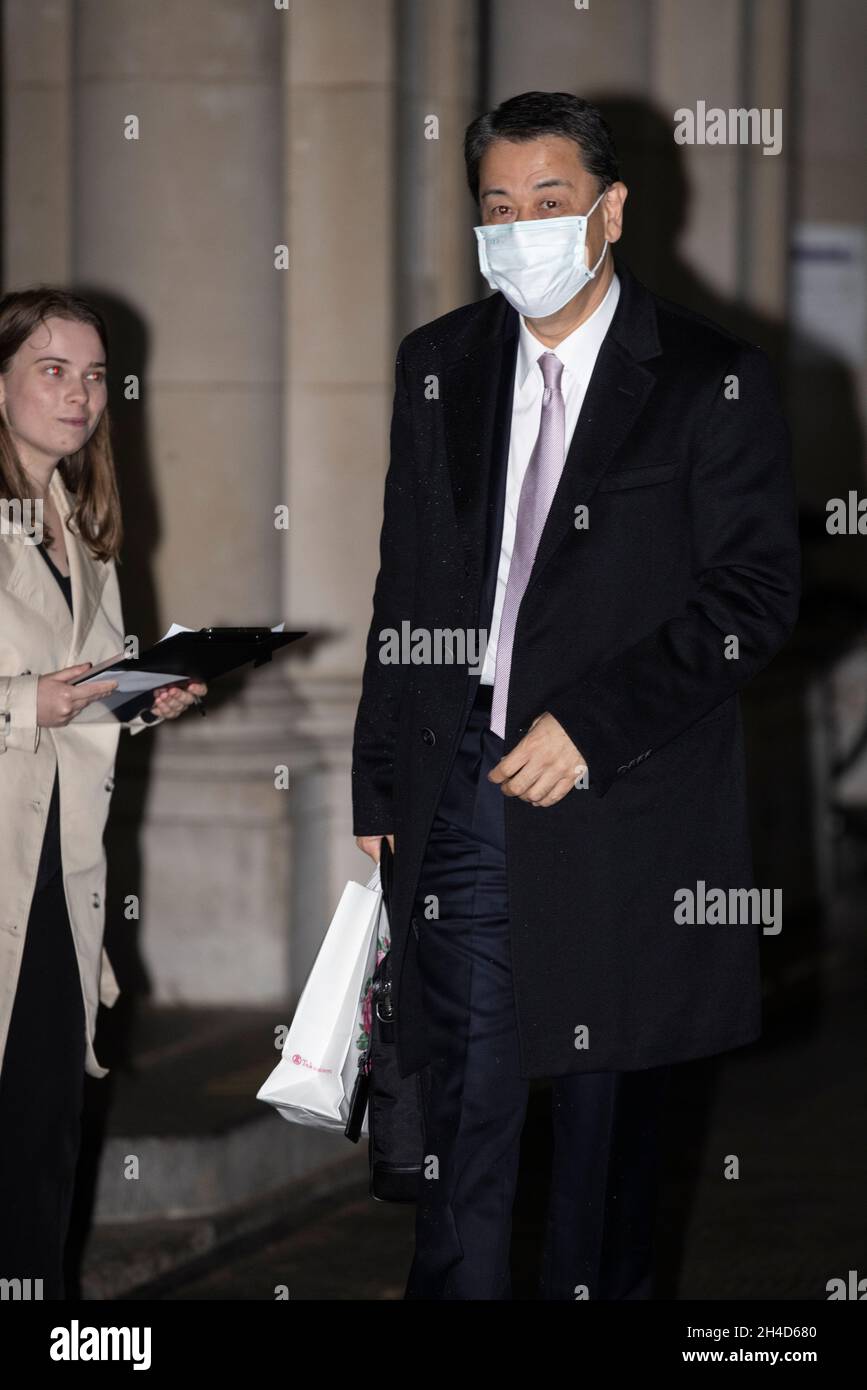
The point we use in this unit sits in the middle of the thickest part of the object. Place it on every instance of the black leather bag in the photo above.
(394, 1102)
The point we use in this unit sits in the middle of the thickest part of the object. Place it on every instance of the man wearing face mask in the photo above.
(600, 482)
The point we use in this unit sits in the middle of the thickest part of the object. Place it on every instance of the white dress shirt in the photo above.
(578, 353)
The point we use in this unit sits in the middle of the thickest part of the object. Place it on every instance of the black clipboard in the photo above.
(202, 655)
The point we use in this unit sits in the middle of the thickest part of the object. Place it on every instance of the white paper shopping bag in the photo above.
(313, 1080)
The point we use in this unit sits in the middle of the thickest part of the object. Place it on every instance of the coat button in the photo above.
(96, 900)
(109, 784)
(429, 736)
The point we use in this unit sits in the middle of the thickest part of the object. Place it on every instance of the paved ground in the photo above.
(791, 1108)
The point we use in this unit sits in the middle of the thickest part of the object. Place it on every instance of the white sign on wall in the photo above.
(829, 289)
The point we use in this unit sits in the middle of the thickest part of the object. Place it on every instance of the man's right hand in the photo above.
(371, 843)
(58, 702)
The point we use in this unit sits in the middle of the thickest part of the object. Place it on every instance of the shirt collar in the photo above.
(578, 350)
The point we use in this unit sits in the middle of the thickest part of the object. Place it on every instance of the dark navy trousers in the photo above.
(41, 1091)
(598, 1238)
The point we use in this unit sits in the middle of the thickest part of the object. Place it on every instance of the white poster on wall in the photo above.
(829, 289)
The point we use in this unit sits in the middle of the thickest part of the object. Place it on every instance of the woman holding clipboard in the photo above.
(60, 613)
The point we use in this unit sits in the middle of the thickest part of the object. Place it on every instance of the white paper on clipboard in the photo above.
(136, 682)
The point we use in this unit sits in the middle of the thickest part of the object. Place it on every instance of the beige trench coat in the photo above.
(37, 635)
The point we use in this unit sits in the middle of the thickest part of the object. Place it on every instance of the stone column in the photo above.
(176, 186)
(695, 55)
(731, 55)
(358, 174)
(37, 111)
(436, 262)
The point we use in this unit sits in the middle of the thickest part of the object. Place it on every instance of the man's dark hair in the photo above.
(535, 114)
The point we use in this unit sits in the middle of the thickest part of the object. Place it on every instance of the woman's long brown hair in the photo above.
(89, 473)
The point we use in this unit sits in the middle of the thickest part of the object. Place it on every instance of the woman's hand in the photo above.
(371, 844)
(172, 700)
(57, 702)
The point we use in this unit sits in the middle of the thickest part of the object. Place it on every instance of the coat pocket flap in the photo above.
(638, 477)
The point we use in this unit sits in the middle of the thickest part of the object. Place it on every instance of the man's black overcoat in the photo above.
(682, 458)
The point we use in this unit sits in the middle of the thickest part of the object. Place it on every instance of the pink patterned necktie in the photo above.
(537, 493)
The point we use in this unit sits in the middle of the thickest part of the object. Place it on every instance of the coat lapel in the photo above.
(31, 583)
(618, 392)
(477, 414)
(88, 574)
(478, 404)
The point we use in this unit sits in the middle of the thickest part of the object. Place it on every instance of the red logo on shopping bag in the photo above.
(303, 1062)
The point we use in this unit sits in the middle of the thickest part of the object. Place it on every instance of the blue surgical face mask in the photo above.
(540, 264)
